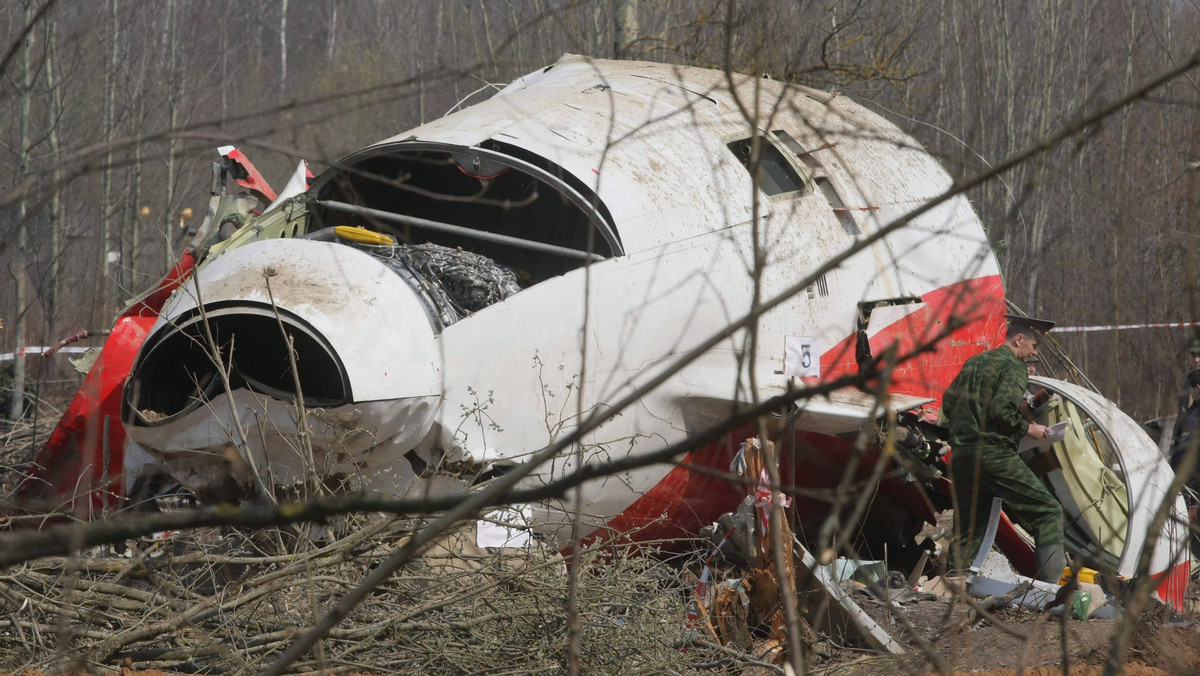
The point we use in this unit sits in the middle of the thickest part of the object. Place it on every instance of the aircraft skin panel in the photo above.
(679, 197)
(651, 140)
(666, 174)
(1147, 477)
(341, 292)
(977, 302)
(64, 473)
(700, 500)
(662, 416)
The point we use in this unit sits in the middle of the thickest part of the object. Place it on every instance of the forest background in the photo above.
(111, 111)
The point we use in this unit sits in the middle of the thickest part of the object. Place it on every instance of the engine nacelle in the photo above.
(291, 321)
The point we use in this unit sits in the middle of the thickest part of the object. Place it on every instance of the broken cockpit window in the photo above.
(776, 174)
(523, 213)
(839, 209)
(809, 158)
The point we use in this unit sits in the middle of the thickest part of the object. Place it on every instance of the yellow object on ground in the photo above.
(1085, 575)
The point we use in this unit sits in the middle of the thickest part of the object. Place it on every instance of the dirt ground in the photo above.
(987, 650)
(1030, 641)
(1020, 641)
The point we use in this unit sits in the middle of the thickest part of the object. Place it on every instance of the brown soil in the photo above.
(1130, 670)
(966, 646)
(124, 672)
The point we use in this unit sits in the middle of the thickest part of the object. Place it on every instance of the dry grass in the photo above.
(19, 444)
(217, 602)
(225, 601)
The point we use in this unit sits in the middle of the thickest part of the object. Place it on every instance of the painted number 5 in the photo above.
(802, 356)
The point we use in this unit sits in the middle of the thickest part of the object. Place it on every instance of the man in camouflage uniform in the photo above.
(983, 407)
(1188, 427)
(1186, 398)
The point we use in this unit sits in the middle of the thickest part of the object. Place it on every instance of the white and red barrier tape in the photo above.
(41, 349)
(1121, 327)
(60, 346)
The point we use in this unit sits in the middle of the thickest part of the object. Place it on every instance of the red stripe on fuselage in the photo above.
(977, 303)
(684, 501)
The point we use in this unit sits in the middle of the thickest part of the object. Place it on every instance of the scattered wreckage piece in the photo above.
(1076, 588)
(1081, 599)
(81, 469)
(1110, 479)
(750, 603)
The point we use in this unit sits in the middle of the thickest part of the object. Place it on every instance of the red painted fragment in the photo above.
(80, 470)
(253, 181)
(1173, 584)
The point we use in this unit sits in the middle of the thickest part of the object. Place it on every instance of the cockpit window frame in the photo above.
(487, 160)
(772, 154)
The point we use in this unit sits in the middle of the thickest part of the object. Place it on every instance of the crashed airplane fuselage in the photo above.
(457, 296)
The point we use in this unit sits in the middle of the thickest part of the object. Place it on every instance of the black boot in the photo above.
(1050, 561)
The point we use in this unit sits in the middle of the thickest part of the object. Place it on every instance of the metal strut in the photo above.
(459, 230)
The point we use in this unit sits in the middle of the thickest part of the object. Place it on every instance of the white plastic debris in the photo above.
(507, 527)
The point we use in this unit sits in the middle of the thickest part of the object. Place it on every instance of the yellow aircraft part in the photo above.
(361, 235)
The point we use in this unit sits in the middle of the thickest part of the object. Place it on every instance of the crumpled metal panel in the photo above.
(1147, 477)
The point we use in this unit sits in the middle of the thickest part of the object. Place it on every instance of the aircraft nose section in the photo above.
(276, 322)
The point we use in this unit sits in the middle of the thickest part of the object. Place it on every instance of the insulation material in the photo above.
(470, 281)
(454, 283)
(1097, 496)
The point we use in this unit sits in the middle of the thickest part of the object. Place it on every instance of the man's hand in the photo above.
(1037, 431)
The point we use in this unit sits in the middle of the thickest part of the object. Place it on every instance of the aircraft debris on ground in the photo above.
(430, 311)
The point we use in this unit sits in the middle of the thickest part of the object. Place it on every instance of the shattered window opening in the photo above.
(793, 146)
(484, 189)
(776, 174)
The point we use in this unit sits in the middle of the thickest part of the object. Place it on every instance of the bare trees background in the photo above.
(111, 112)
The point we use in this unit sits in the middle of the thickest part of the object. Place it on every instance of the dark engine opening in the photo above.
(178, 372)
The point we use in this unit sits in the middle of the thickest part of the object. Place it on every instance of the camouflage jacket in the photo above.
(1184, 432)
(983, 404)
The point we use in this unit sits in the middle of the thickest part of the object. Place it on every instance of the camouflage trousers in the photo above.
(982, 475)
